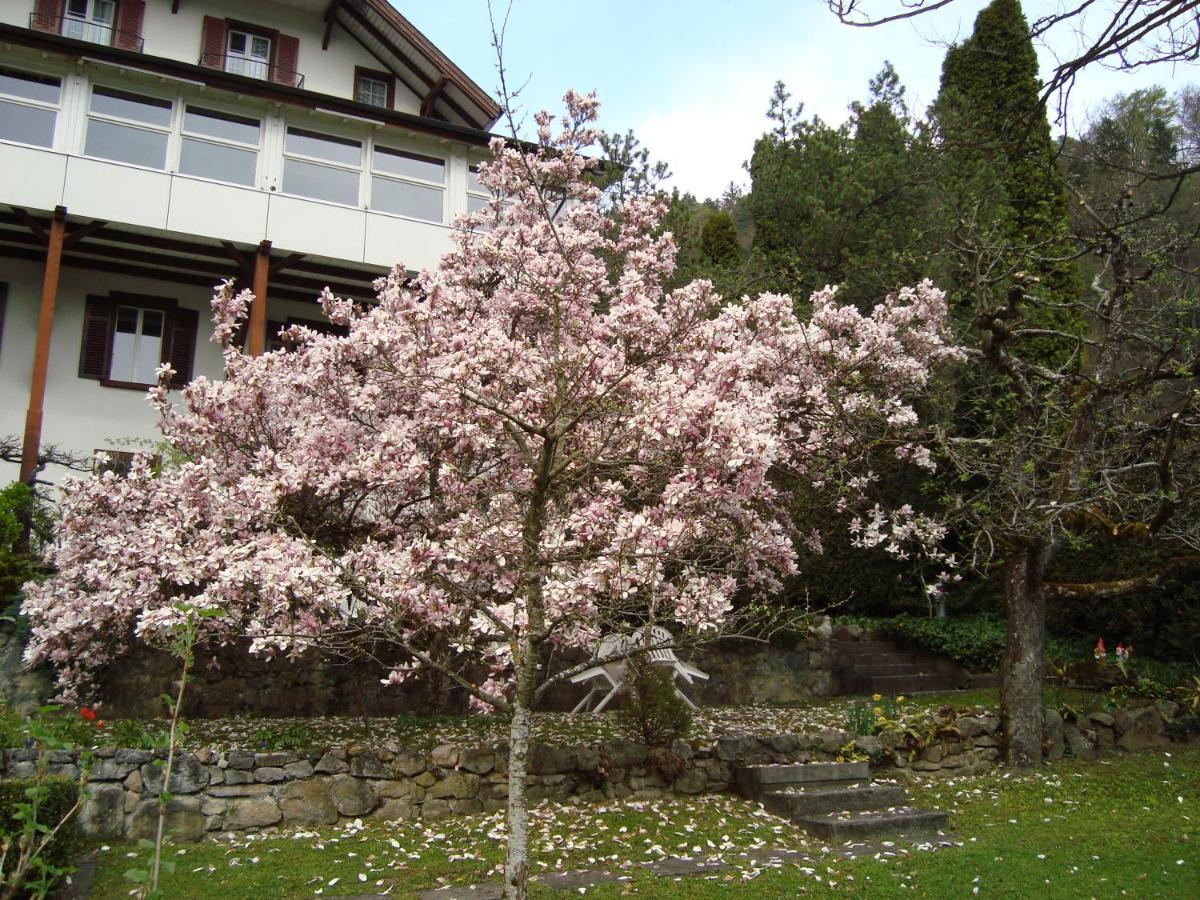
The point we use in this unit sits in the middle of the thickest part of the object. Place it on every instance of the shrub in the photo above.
(654, 713)
(976, 642)
(134, 734)
(57, 797)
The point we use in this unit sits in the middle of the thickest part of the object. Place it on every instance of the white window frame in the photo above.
(334, 135)
(19, 100)
(201, 137)
(247, 64)
(92, 30)
(375, 82)
(171, 130)
(409, 179)
(165, 320)
(479, 193)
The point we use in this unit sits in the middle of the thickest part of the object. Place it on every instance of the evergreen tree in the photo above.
(719, 240)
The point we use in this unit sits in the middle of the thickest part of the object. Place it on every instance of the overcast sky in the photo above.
(693, 79)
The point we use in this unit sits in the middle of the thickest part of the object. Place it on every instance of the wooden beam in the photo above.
(84, 231)
(39, 231)
(330, 21)
(432, 97)
(41, 351)
(286, 262)
(256, 341)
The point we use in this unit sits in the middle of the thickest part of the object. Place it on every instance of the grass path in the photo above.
(1123, 826)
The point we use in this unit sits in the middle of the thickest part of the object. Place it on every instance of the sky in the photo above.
(693, 79)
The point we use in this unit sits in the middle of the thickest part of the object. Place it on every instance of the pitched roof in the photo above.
(445, 90)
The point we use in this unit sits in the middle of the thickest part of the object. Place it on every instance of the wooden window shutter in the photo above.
(287, 59)
(212, 43)
(97, 322)
(184, 323)
(129, 24)
(47, 15)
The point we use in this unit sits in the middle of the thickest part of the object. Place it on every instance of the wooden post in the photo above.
(41, 352)
(256, 340)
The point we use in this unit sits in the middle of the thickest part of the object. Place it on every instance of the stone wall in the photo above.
(228, 682)
(240, 790)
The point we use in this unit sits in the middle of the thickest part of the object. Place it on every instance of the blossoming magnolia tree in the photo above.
(498, 461)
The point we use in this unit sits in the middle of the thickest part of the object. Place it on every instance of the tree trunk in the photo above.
(516, 865)
(1021, 707)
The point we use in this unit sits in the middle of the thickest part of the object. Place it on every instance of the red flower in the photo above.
(88, 714)
(100, 724)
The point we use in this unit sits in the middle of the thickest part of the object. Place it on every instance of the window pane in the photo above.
(33, 87)
(260, 48)
(220, 125)
(474, 204)
(127, 320)
(125, 143)
(102, 11)
(410, 165)
(322, 182)
(237, 42)
(408, 199)
(27, 124)
(372, 91)
(473, 182)
(217, 161)
(77, 7)
(152, 323)
(150, 110)
(324, 147)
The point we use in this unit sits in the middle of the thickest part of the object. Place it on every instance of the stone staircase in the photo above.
(883, 667)
(838, 801)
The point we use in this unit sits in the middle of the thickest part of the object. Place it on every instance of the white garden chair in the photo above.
(606, 677)
(660, 653)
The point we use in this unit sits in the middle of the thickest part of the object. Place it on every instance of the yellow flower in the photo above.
(876, 697)
(900, 699)
(878, 711)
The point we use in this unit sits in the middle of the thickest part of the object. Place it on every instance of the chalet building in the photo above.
(151, 148)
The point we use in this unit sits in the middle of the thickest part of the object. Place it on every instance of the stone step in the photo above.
(798, 803)
(867, 669)
(754, 781)
(855, 647)
(893, 822)
(910, 684)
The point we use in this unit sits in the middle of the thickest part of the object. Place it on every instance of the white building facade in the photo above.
(151, 148)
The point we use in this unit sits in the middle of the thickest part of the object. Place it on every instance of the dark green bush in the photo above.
(57, 797)
(654, 714)
(976, 643)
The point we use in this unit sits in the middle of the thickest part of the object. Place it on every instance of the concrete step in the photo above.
(893, 822)
(754, 781)
(810, 801)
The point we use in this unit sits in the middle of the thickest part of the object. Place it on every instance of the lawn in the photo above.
(1123, 826)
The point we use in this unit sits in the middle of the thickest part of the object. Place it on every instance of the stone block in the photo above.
(133, 758)
(102, 814)
(351, 796)
(240, 790)
(269, 775)
(623, 754)
(239, 776)
(252, 812)
(466, 807)
(107, 770)
(425, 780)
(331, 764)
(409, 764)
(187, 775)
(240, 759)
(435, 809)
(299, 769)
(396, 810)
(273, 760)
(183, 822)
(478, 762)
(1143, 730)
(368, 765)
(693, 781)
(398, 790)
(444, 756)
(456, 785)
(549, 759)
(1077, 742)
(307, 803)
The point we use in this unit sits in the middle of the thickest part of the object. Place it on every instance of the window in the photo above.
(408, 183)
(248, 54)
(322, 166)
(219, 146)
(126, 337)
(119, 462)
(128, 127)
(89, 20)
(28, 107)
(478, 196)
(372, 88)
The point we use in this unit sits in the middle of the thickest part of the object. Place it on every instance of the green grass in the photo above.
(1124, 826)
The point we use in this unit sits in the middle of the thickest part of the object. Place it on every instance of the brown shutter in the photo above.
(287, 58)
(129, 24)
(212, 43)
(97, 323)
(47, 15)
(184, 323)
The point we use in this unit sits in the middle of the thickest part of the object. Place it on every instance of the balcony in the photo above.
(84, 30)
(249, 67)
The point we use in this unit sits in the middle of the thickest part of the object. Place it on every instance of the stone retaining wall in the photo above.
(240, 790)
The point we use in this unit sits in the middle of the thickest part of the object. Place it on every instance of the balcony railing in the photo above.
(252, 68)
(92, 32)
